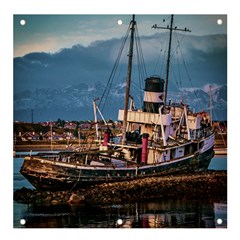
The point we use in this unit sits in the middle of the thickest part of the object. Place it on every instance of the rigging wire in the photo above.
(173, 71)
(111, 77)
(223, 122)
(161, 69)
(142, 73)
(178, 80)
(187, 72)
(178, 52)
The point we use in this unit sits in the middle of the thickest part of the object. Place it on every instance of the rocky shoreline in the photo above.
(203, 185)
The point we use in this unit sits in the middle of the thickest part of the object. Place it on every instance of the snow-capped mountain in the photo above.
(75, 102)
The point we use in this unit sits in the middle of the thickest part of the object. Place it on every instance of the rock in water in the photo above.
(75, 199)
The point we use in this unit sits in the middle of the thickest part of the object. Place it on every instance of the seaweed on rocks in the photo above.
(202, 185)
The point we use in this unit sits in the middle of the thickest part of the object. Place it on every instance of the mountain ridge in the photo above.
(75, 102)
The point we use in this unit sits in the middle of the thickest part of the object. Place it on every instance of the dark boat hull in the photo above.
(52, 175)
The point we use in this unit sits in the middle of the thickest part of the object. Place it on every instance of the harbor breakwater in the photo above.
(209, 184)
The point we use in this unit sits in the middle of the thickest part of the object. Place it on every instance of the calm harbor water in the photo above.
(161, 213)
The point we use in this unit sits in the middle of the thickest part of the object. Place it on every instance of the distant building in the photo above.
(70, 125)
(30, 136)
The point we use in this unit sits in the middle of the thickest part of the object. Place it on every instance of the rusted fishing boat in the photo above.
(161, 138)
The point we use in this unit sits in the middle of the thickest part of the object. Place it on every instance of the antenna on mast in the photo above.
(171, 28)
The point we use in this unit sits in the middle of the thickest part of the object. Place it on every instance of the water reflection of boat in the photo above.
(220, 215)
(168, 213)
(162, 137)
(209, 218)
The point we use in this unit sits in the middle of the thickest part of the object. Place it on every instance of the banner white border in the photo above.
(9, 8)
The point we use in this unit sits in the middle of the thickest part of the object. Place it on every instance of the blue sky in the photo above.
(50, 33)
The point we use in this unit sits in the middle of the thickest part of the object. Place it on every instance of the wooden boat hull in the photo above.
(46, 174)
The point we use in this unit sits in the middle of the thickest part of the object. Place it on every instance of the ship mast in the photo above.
(211, 115)
(168, 60)
(127, 94)
(169, 50)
